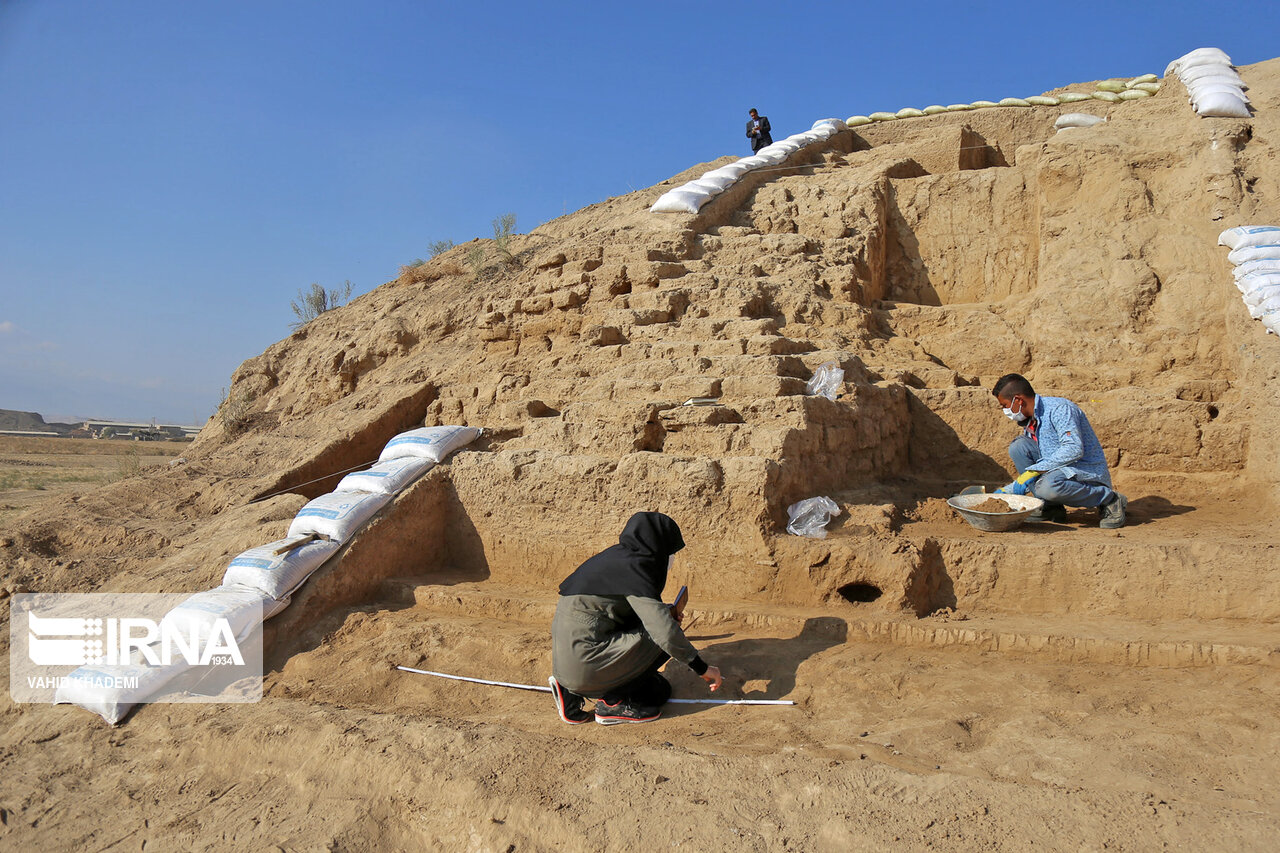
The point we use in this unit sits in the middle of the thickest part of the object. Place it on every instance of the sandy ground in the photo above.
(1058, 687)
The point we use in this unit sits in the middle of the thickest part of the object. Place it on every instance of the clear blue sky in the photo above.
(173, 171)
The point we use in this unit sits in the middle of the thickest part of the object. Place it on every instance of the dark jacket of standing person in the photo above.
(758, 130)
(611, 626)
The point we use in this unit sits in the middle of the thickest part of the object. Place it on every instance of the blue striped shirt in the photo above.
(1067, 441)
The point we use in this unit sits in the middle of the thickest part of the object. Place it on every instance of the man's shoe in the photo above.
(1056, 513)
(624, 712)
(1113, 512)
(568, 705)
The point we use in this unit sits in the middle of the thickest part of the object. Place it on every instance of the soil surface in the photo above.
(1054, 687)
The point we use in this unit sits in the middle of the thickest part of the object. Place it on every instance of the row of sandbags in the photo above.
(1255, 251)
(689, 197)
(260, 582)
(1214, 86)
(1111, 91)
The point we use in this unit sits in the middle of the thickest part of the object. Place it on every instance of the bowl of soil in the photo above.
(994, 513)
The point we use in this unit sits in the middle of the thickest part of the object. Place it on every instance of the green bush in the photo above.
(316, 301)
(503, 227)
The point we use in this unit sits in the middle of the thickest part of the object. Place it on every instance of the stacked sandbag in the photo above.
(689, 197)
(1255, 251)
(1214, 86)
(259, 582)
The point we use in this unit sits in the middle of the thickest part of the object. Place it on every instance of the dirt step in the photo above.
(1170, 570)
(1067, 639)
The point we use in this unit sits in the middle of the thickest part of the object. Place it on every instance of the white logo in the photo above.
(62, 641)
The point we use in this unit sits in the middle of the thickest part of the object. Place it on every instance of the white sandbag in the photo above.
(1113, 85)
(1266, 265)
(680, 201)
(789, 145)
(1264, 252)
(1199, 56)
(1200, 93)
(337, 516)
(1043, 101)
(1249, 235)
(824, 132)
(711, 187)
(857, 121)
(956, 108)
(1014, 102)
(1133, 95)
(1222, 105)
(982, 105)
(1205, 72)
(1255, 288)
(278, 575)
(710, 179)
(1072, 98)
(934, 109)
(244, 609)
(833, 123)
(430, 442)
(112, 691)
(388, 478)
(883, 116)
(732, 170)
(1145, 78)
(1269, 304)
(753, 162)
(1149, 88)
(909, 112)
(1272, 322)
(1109, 97)
(1077, 120)
(772, 158)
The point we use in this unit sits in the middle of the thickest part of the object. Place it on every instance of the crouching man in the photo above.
(1058, 457)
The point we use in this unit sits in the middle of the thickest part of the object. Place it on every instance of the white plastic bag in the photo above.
(1249, 235)
(386, 478)
(338, 515)
(827, 381)
(278, 575)
(433, 443)
(809, 517)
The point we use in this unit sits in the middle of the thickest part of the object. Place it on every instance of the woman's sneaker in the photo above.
(568, 705)
(624, 712)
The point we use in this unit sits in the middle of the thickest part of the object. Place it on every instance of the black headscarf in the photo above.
(637, 565)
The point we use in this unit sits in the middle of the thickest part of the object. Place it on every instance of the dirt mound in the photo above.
(926, 257)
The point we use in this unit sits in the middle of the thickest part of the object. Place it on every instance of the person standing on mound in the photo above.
(612, 633)
(758, 130)
(1058, 457)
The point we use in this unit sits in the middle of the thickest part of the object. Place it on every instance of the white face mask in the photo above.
(1016, 418)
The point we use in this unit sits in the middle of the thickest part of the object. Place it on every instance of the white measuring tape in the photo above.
(548, 690)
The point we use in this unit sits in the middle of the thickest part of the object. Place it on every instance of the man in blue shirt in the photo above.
(1058, 457)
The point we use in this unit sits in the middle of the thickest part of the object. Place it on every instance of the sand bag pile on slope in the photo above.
(259, 582)
(1255, 251)
(689, 197)
(1215, 88)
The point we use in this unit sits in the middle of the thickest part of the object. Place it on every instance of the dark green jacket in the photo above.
(599, 642)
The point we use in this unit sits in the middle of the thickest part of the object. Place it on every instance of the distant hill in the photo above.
(11, 419)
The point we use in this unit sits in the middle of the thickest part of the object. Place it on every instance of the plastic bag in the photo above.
(827, 381)
(809, 517)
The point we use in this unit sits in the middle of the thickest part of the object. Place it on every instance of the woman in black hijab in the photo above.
(612, 632)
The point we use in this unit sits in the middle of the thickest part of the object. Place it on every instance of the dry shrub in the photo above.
(428, 271)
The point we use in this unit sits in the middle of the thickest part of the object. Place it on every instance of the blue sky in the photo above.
(173, 171)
